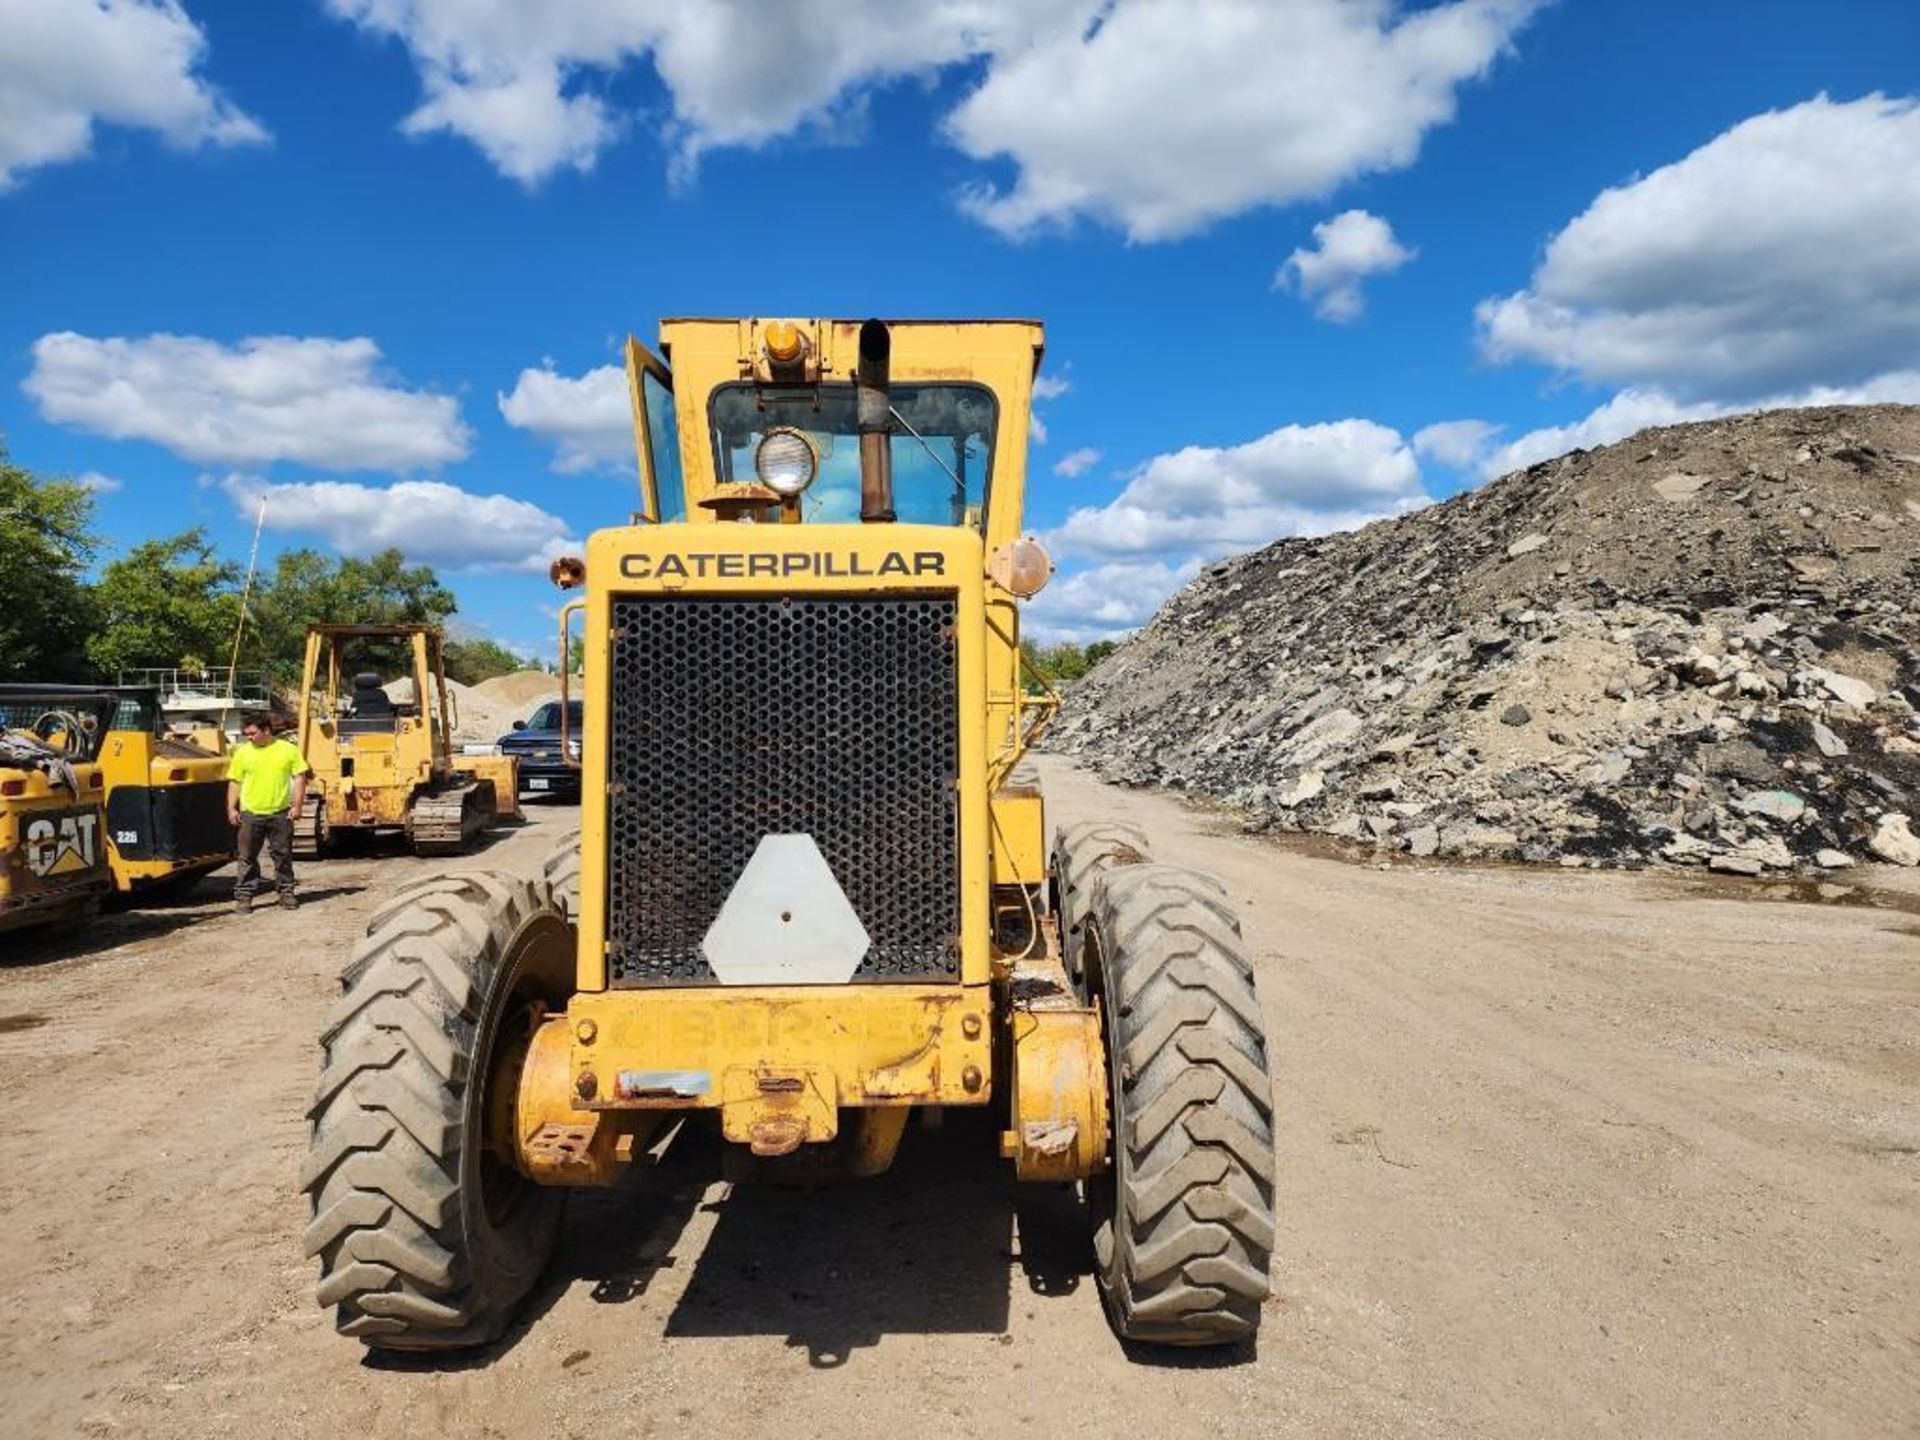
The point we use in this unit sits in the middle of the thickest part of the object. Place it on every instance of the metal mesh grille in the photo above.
(734, 719)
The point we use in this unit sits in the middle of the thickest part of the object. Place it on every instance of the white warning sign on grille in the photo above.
(786, 921)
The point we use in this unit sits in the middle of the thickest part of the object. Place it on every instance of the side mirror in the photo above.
(519, 724)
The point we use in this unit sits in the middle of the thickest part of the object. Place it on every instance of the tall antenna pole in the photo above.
(253, 563)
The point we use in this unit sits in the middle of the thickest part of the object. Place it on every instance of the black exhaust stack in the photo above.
(873, 417)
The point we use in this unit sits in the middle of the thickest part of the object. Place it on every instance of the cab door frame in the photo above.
(641, 363)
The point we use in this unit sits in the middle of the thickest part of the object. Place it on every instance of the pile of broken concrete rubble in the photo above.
(1699, 647)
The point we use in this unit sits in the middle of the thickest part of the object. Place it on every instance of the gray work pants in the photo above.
(276, 833)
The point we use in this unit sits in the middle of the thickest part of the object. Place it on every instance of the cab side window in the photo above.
(663, 438)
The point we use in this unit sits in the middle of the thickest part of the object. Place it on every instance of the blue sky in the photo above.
(1531, 225)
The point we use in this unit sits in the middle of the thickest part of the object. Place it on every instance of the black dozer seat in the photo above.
(372, 710)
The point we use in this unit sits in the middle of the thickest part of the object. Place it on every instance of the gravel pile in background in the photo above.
(478, 717)
(523, 688)
(1700, 646)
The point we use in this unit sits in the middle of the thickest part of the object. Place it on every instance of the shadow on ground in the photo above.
(924, 1249)
(47, 944)
(936, 1246)
(146, 915)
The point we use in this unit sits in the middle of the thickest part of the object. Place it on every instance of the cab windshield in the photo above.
(942, 447)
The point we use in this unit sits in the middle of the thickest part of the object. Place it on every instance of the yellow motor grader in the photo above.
(385, 765)
(812, 892)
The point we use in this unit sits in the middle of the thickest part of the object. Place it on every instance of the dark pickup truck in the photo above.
(535, 743)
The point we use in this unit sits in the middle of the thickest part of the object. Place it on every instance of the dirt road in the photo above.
(1561, 1154)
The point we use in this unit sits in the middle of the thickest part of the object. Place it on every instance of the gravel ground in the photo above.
(1562, 1154)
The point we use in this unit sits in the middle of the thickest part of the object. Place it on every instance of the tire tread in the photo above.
(1192, 1230)
(383, 1167)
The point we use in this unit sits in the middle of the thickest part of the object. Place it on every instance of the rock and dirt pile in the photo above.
(1700, 646)
(485, 712)
(480, 716)
(522, 688)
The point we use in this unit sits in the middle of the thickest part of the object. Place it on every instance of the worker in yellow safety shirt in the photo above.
(266, 788)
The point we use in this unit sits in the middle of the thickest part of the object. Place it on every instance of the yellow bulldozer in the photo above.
(387, 765)
(813, 891)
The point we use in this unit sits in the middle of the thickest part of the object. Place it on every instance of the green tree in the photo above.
(164, 603)
(1066, 662)
(45, 547)
(306, 587)
(477, 658)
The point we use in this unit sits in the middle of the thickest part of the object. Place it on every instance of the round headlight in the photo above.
(785, 462)
(1024, 567)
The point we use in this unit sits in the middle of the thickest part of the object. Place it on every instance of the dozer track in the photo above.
(310, 831)
(445, 821)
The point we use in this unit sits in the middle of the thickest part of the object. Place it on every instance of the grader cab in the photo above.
(812, 891)
(385, 765)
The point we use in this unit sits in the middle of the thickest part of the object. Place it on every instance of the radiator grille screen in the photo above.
(734, 719)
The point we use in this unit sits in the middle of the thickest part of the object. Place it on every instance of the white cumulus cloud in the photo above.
(96, 482)
(1156, 116)
(319, 402)
(1045, 387)
(433, 522)
(1618, 418)
(521, 120)
(69, 65)
(522, 81)
(1076, 462)
(1347, 249)
(1162, 116)
(1297, 480)
(1638, 409)
(588, 418)
(1104, 600)
(1456, 444)
(1777, 256)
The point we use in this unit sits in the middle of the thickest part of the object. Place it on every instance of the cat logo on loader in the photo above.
(812, 891)
(63, 844)
(53, 845)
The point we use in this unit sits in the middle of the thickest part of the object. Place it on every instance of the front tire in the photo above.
(1184, 1220)
(1081, 854)
(428, 1237)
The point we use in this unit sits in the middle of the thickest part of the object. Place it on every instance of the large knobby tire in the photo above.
(427, 1236)
(561, 870)
(1184, 1220)
(1081, 853)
